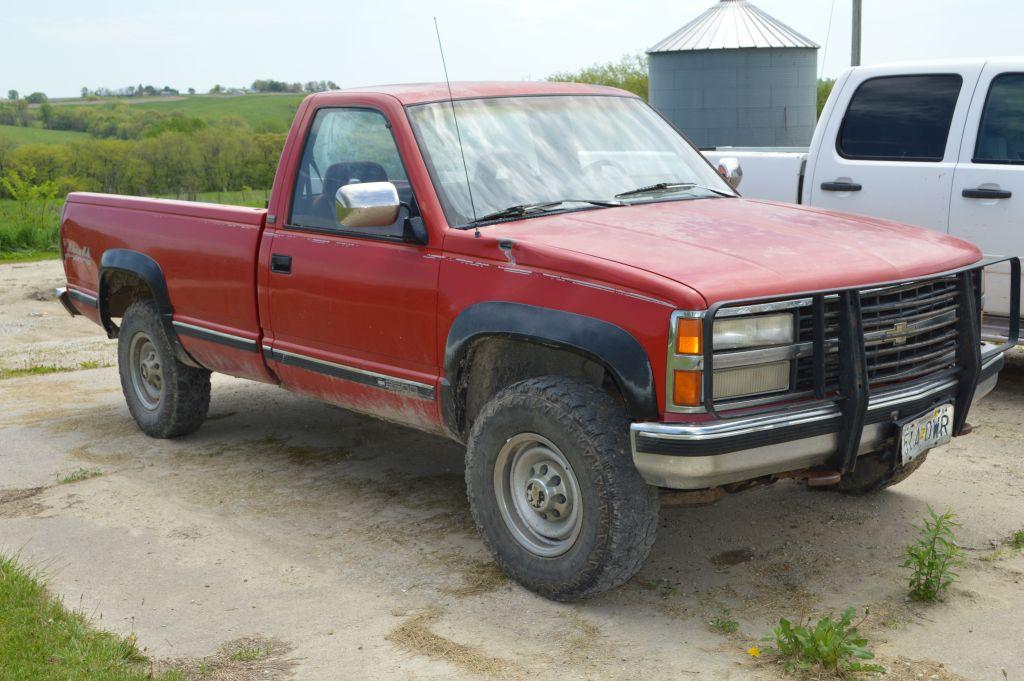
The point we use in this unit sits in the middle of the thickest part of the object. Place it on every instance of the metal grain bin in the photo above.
(735, 76)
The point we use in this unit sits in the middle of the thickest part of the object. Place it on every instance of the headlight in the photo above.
(733, 333)
(686, 378)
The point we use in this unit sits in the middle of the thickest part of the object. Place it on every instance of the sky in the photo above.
(59, 46)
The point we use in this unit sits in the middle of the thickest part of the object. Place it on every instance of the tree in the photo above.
(85, 92)
(629, 73)
(216, 90)
(824, 90)
(12, 95)
(191, 90)
(36, 98)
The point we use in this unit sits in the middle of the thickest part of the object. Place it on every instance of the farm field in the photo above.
(33, 135)
(268, 112)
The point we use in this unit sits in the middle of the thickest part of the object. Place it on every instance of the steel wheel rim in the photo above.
(538, 495)
(146, 371)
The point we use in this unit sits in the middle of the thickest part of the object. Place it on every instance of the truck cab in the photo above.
(935, 144)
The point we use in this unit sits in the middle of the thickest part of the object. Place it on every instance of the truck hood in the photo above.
(728, 249)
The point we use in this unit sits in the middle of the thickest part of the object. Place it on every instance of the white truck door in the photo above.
(987, 206)
(892, 142)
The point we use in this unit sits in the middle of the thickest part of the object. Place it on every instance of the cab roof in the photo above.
(421, 93)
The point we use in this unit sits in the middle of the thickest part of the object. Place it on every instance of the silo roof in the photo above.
(731, 25)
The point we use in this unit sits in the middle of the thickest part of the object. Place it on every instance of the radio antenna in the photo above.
(455, 118)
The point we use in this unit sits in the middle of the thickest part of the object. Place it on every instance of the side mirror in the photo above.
(366, 204)
(731, 171)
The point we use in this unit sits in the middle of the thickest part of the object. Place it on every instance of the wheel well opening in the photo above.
(493, 363)
(121, 289)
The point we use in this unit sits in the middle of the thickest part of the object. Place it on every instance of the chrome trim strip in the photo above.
(91, 301)
(350, 373)
(747, 309)
(213, 336)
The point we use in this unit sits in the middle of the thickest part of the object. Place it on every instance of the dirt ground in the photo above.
(343, 546)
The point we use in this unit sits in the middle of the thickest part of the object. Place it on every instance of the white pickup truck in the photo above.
(935, 144)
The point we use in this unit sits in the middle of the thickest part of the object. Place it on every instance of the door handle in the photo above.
(840, 187)
(981, 193)
(282, 264)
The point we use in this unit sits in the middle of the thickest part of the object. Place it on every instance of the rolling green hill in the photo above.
(264, 112)
(39, 135)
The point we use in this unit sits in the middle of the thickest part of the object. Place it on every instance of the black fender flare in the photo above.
(147, 269)
(610, 345)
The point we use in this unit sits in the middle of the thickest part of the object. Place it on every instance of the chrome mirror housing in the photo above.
(366, 204)
(731, 171)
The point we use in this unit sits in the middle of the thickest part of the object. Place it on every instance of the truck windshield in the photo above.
(540, 149)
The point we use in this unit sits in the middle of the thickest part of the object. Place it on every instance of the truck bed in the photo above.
(206, 252)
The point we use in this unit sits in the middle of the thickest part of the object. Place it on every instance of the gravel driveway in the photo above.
(345, 543)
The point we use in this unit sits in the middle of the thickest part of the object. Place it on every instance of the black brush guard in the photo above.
(853, 388)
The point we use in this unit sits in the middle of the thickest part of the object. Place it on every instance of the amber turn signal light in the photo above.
(688, 336)
(686, 388)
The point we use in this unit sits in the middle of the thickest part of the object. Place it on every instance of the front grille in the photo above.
(910, 331)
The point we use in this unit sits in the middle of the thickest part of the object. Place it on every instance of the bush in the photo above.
(933, 556)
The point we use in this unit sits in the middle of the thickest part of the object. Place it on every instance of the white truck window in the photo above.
(1001, 133)
(900, 118)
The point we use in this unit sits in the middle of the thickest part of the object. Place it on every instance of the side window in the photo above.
(900, 118)
(346, 146)
(1001, 133)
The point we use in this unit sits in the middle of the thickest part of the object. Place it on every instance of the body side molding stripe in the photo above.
(206, 334)
(348, 373)
(84, 298)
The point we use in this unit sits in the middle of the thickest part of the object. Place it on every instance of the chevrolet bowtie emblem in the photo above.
(897, 334)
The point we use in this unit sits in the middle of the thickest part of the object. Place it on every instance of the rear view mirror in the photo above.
(367, 204)
(731, 171)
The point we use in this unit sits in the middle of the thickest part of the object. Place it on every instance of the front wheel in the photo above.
(165, 397)
(553, 489)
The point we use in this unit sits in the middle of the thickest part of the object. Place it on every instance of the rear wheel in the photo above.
(165, 397)
(553, 489)
(875, 472)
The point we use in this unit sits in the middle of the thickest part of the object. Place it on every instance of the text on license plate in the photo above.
(926, 431)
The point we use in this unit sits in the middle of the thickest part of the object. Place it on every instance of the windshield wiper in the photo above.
(524, 209)
(670, 186)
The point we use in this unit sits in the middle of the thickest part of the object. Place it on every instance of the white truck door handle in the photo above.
(840, 187)
(982, 193)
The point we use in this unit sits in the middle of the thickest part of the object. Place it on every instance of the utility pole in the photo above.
(855, 52)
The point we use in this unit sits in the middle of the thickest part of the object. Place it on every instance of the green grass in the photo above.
(264, 112)
(43, 369)
(30, 371)
(8, 257)
(42, 640)
(724, 622)
(248, 654)
(31, 135)
(78, 475)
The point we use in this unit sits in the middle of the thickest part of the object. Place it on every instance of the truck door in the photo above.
(891, 146)
(987, 206)
(351, 313)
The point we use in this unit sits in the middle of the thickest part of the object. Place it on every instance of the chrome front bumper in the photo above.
(700, 455)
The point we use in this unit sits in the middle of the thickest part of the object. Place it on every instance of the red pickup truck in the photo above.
(553, 275)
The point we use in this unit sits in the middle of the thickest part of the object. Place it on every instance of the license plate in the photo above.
(929, 430)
